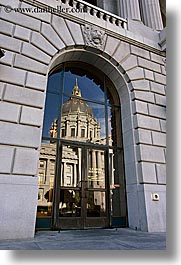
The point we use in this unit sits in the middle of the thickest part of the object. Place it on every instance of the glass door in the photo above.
(82, 192)
(96, 189)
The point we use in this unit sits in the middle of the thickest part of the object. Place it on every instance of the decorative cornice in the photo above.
(107, 31)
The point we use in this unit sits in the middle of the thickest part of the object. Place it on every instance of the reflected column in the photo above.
(94, 165)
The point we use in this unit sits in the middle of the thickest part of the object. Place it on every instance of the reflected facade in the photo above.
(79, 185)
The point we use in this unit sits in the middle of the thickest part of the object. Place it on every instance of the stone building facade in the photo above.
(125, 40)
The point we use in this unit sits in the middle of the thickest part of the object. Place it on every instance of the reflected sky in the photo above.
(89, 90)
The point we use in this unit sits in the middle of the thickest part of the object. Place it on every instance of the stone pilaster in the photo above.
(130, 9)
(151, 14)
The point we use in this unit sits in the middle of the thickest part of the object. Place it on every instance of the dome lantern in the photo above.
(76, 91)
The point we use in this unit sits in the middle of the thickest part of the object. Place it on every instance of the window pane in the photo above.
(46, 176)
(70, 203)
(71, 166)
(87, 86)
(52, 108)
(83, 120)
(96, 169)
(114, 126)
(55, 82)
(96, 203)
(117, 184)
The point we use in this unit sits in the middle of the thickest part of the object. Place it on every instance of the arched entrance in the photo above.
(81, 167)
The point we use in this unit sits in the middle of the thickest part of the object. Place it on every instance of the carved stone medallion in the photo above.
(94, 36)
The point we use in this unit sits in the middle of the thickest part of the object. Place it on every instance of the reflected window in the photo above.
(82, 133)
(72, 132)
(63, 133)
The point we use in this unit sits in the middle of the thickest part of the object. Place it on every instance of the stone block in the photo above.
(156, 210)
(157, 58)
(140, 85)
(19, 135)
(160, 78)
(39, 41)
(24, 96)
(131, 173)
(127, 124)
(139, 107)
(8, 58)
(9, 43)
(6, 27)
(37, 12)
(9, 2)
(31, 51)
(161, 173)
(163, 69)
(22, 19)
(135, 74)
(125, 110)
(150, 153)
(157, 88)
(121, 52)
(1, 89)
(143, 136)
(22, 33)
(149, 75)
(149, 65)
(30, 64)
(18, 213)
(129, 63)
(9, 112)
(147, 173)
(163, 125)
(75, 31)
(12, 75)
(26, 157)
(111, 45)
(88, 57)
(143, 96)
(31, 116)
(133, 212)
(157, 111)
(128, 138)
(159, 139)
(140, 52)
(146, 122)
(6, 159)
(129, 154)
(49, 33)
(39, 81)
(60, 27)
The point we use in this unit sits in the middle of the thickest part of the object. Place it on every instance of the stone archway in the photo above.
(94, 58)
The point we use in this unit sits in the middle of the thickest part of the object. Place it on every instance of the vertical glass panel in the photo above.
(55, 82)
(71, 166)
(116, 180)
(70, 203)
(96, 169)
(46, 177)
(52, 108)
(97, 124)
(88, 86)
(96, 203)
(114, 126)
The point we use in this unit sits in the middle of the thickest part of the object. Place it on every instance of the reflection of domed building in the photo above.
(78, 123)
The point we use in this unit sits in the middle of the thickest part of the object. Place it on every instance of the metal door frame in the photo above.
(56, 220)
